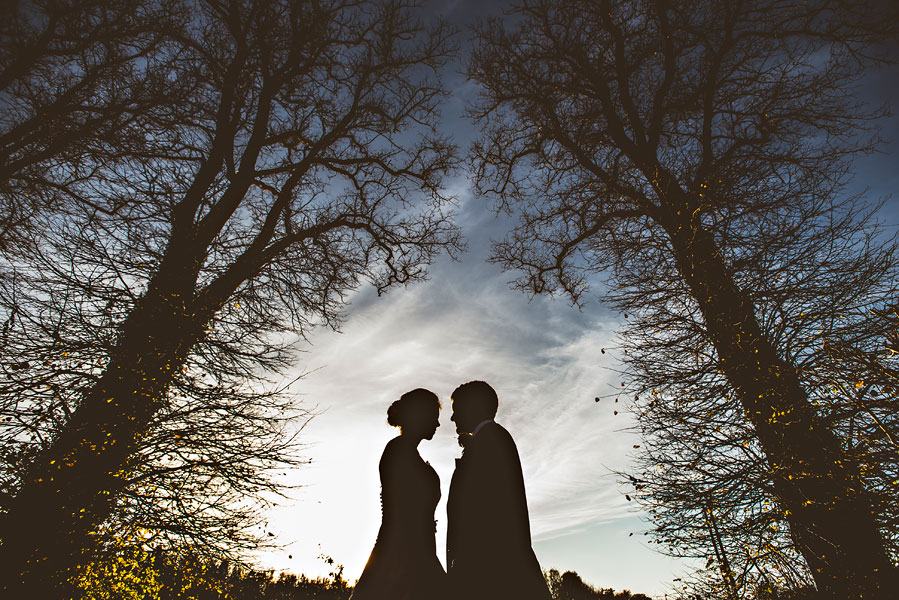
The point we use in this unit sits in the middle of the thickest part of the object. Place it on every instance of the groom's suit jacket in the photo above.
(489, 552)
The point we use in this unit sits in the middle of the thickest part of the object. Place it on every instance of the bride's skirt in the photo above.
(396, 571)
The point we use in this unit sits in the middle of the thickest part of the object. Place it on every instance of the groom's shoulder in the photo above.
(498, 434)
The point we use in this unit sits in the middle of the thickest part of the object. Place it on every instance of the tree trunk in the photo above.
(816, 481)
(72, 485)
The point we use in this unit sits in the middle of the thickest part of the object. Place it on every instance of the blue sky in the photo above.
(543, 357)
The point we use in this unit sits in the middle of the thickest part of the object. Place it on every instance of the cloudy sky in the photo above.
(543, 357)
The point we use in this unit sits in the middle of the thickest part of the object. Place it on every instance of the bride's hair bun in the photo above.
(410, 405)
(395, 414)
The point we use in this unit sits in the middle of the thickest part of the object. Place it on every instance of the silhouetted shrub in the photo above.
(570, 586)
(131, 572)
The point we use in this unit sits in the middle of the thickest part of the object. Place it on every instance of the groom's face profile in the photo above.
(465, 416)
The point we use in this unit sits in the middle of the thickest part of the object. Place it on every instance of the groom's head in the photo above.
(473, 402)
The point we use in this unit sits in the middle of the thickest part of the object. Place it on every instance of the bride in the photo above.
(403, 564)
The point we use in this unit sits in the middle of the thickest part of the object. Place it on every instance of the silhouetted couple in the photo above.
(488, 547)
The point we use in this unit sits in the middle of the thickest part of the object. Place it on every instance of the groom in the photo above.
(488, 545)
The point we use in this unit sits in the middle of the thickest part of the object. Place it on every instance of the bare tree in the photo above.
(684, 149)
(299, 160)
(701, 471)
(72, 94)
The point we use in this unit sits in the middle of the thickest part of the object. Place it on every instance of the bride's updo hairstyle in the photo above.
(412, 408)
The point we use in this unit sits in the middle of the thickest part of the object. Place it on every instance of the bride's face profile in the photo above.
(424, 424)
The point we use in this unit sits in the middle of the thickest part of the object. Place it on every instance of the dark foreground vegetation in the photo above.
(131, 572)
(570, 586)
(126, 571)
